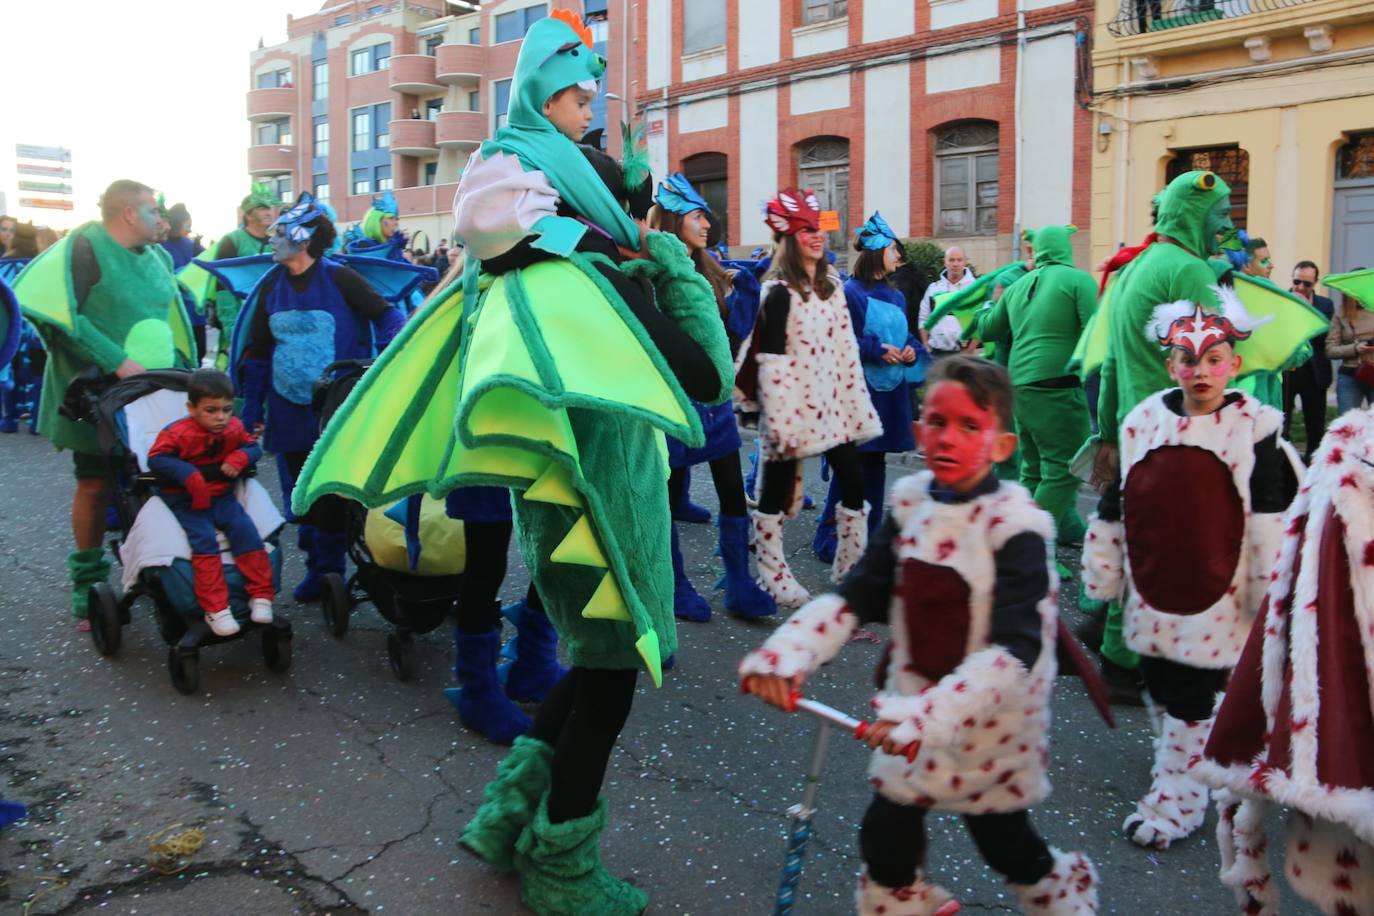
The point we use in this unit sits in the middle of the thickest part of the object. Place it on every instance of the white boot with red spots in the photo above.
(1176, 804)
(774, 574)
(1244, 849)
(919, 899)
(851, 527)
(1070, 889)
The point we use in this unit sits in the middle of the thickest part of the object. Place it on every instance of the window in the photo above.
(502, 90)
(345, 19)
(274, 132)
(823, 166)
(360, 62)
(431, 172)
(707, 172)
(321, 182)
(474, 101)
(362, 181)
(381, 56)
(383, 173)
(432, 109)
(321, 137)
(822, 10)
(270, 80)
(703, 25)
(966, 185)
(1356, 158)
(1230, 163)
(475, 36)
(282, 183)
(362, 130)
(432, 43)
(381, 117)
(375, 10)
(319, 75)
(593, 7)
(513, 26)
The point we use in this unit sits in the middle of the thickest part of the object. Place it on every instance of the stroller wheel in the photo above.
(185, 670)
(400, 651)
(335, 603)
(276, 650)
(103, 610)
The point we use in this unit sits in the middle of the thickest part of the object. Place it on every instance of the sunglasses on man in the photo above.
(1306, 284)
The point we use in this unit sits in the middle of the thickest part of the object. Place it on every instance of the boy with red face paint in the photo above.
(962, 570)
(1186, 537)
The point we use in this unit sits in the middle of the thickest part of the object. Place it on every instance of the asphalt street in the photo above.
(334, 788)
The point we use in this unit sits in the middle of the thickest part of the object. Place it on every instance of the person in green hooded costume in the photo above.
(103, 296)
(1044, 313)
(253, 236)
(1194, 211)
(573, 342)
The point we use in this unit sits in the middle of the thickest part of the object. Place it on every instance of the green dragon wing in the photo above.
(1358, 284)
(1091, 350)
(1286, 322)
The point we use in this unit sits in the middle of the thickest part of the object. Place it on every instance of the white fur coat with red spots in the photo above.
(814, 397)
(983, 727)
(1213, 637)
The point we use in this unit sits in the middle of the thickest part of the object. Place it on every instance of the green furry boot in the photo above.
(521, 779)
(560, 868)
(86, 567)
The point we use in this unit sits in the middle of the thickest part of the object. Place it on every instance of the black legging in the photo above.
(487, 546)
(729, 481)
(779, 478)
(582, 718)
(329, 512)
(892, 841)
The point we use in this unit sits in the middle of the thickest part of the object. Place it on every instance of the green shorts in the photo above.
(88, 465)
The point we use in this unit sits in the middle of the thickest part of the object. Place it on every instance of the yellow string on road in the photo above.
(173, 854)
(55, 882)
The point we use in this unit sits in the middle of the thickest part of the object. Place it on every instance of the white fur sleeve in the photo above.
(810, 638)
(498, 202)
(780, 399)
(1264, 535)
(958, 701)
(1104, 560)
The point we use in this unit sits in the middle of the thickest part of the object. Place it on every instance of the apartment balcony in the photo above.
(1141, 17)
(272, 159)
(268, 104)
(413, 138)
(413, 74)
(460, 64)
(460, 129)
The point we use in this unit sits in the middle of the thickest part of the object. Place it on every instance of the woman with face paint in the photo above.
(308, 312)
(681, 211)
(804, 370)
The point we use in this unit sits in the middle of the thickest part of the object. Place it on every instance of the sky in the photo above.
(153, 90)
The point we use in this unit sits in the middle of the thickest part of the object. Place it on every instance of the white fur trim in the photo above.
(814, 397)
(1234, 310)
(1265, 539)
(919, 899)
(1213, 638)
(1329, 866)
(808, 639)
(957, 703)
(1164, 315)
(1070, 889)
(852, 538)
(1104, 560)
(1176, 804)
(774, 575)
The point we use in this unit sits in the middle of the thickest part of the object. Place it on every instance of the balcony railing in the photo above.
(271, 159)
(272, 102)
(460, 64)
(459, 129)
(413, 138)
(413, 74)
(1138, 17)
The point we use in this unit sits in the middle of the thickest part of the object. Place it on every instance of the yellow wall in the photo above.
(1290, 123)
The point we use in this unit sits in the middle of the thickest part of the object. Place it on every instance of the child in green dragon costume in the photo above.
(551, 372)
(1044, 313)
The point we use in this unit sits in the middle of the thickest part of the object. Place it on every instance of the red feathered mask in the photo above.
(792, 211)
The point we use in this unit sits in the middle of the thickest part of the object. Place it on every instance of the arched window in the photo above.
(1230, 163)
(966, 179)
(708, 173)
(1356, 158)
(823, 166)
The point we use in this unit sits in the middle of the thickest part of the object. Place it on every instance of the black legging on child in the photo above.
(729, 481)
(779, 478)
(582, 718)
(487, 546)
(892, 841)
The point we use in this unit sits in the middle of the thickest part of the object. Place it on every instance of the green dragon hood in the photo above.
(1052, 245)
(1185, 211)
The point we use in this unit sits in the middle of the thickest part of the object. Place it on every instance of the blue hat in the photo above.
(294, 222)
(676, 195)
(876, 234)
(385, 202)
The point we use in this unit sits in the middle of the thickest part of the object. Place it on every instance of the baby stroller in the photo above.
(151, 546)
(408, 558)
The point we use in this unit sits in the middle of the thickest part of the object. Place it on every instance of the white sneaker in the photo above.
(222, 623)
(260, 610)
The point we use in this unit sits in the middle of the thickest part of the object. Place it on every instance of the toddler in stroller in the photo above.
(153, 548)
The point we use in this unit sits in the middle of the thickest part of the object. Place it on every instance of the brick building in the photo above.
(370, 95)
(959, 119)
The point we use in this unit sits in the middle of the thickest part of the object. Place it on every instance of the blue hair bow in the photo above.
(876, 234)
(676, 195)
(293, 222)
(385, 202)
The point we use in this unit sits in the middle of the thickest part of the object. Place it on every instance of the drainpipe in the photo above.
(1020, 135)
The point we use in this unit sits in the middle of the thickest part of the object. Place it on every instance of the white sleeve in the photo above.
(1104, 560)
(810, 638)
(497, 204)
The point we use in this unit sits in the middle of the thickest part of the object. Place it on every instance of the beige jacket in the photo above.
(1342, 336)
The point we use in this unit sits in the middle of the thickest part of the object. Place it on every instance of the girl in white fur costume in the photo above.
(1297, 725)
(962, 569)
(1189, 534)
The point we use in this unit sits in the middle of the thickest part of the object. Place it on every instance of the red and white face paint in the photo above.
(957, 435)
